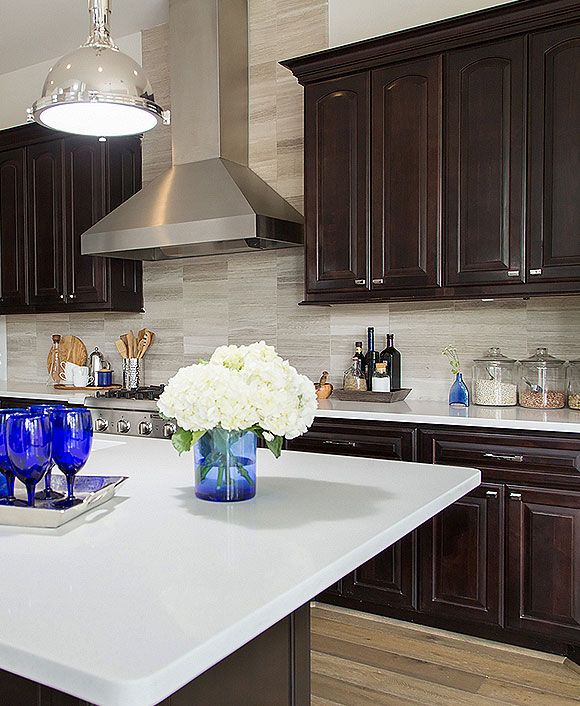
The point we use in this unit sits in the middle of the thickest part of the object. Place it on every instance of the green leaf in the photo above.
(184, 440)
(244, 473)
(275, 445)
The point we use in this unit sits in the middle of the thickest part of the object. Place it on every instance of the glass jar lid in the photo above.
(494, 355)
(543, 359)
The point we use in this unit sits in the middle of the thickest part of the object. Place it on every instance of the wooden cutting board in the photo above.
(71, 350)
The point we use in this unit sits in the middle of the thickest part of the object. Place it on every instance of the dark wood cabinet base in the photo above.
(273, 668)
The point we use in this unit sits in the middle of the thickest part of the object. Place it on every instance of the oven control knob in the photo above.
(169, 430)
(145, 428)
(101, 424)
(123, 426)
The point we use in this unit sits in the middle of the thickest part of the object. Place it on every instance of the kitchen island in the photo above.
(135, 600)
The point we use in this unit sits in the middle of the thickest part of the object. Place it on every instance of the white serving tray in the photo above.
(92, 490)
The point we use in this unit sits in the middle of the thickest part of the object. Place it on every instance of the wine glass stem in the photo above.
(70, 483)
(10, 484)
(47, 481)
(30, 487)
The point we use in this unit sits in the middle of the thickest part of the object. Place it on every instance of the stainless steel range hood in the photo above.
(210, 201)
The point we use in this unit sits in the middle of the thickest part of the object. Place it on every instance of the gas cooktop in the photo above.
(130, 412)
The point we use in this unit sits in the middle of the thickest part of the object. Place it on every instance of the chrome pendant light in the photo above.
(96, 89)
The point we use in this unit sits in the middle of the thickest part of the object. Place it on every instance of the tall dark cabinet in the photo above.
(442, 162)
(53, 187)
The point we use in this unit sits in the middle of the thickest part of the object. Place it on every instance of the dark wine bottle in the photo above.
(392, 357)
(371, 358)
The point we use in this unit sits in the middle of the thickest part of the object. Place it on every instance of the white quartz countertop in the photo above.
(427, 412)
(145, 593)
(38, 391)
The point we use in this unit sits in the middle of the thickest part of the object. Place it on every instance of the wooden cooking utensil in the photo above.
(122, 348)
(131, 344)
(71, 350)
(143, 344)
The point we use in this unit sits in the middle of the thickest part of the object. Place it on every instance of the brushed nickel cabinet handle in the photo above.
(505, 457)
(491, 493)
(516, 496)
(536, 272)
(379, 281)
(360, 282)
(352, 444)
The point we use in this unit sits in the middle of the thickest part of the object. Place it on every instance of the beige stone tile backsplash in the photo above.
(198, 304)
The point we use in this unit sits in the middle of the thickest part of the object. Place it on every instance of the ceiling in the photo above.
(37, 30)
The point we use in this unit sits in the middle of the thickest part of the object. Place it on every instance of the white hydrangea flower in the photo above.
(241, 387)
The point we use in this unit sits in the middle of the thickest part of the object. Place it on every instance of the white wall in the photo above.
(352, 21)
(19, 89)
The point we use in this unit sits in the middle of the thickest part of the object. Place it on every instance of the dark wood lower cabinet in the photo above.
(544, 561)
(501, 563)
(462, 558)
(389, 579)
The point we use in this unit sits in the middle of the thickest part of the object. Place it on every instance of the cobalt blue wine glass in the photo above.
(5, 466)
(48, 493)
(29, 445)
(72, 438)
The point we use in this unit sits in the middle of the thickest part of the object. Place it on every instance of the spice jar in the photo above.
(573, 374)
(542, 381)
(495, 379)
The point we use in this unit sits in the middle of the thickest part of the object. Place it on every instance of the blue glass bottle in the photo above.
(459, 394)
(225, 465)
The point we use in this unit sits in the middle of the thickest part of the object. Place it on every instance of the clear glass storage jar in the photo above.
(573, 374)
(542, 381)
(495, 380)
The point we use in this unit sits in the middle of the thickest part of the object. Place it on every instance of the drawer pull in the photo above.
(505, 457)
(380, 280)
(536, 272)
(491, 493)
(513, 273)
(516, 496)
(352, 444)
(360, 282)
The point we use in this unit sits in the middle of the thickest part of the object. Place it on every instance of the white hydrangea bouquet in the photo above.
(222, 405)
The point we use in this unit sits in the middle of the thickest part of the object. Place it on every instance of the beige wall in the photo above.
(196, 305)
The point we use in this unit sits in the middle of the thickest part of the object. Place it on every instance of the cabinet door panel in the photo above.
(406, 140)
(544, 561)
(388, 579)
(45, 224)
(12, 229)
(554, 157)
(485, 127)
(87, 276)
(462, 559)
(123, 180)
(336, 173)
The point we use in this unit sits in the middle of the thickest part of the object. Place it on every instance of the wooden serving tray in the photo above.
(394, 396)
(87, 389)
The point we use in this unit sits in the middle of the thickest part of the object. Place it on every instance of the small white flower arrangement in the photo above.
(240, 388)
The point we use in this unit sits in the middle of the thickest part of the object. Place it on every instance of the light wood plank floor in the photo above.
(365, 660)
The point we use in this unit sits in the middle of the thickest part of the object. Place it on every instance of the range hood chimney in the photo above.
(210, 201)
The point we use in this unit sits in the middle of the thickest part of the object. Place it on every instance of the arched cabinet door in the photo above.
(554, 156)
(406, 178)
(485, 137)
(336, 184)
(12, 229)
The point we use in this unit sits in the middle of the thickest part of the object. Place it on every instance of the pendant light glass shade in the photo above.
(97, 89)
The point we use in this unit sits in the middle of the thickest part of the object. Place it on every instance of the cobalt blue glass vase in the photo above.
(225, 465)
(459, 394)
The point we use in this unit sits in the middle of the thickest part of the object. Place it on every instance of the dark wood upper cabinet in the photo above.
(12, 229)
(485, 128)
(46, 224)
(53, 187)
(544, 561)
(336, 183)
(462, 558)
(554, 155)
(86, 276)
(459, 174)
(406, 174)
